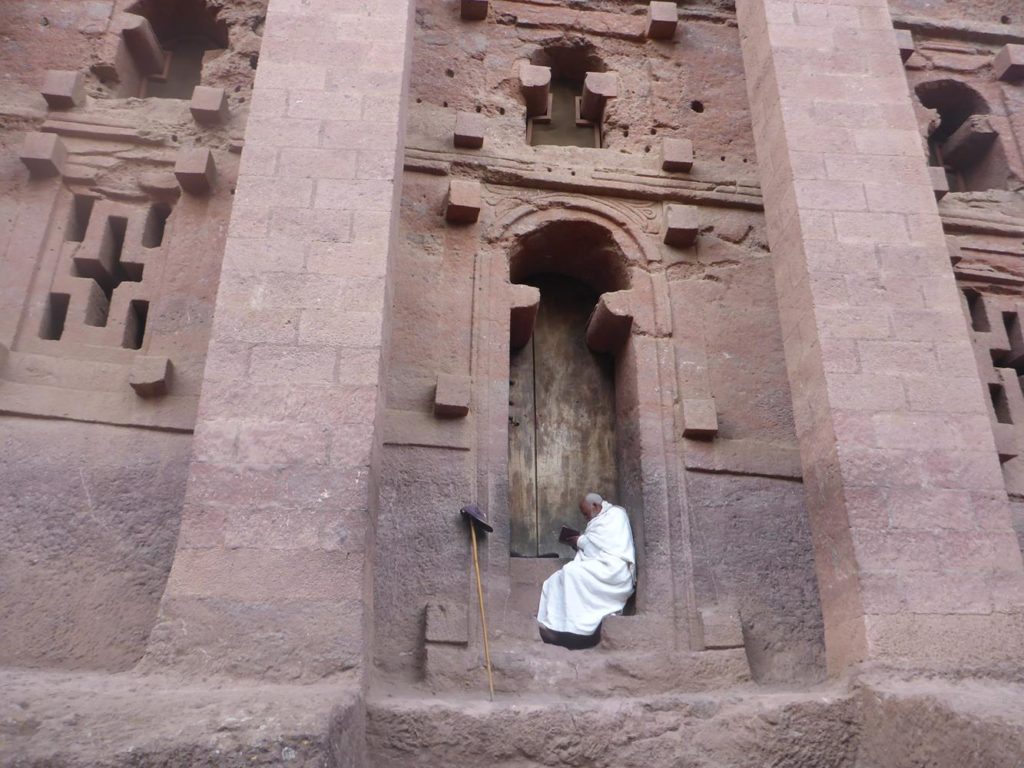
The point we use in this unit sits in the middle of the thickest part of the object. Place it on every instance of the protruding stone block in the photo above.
(700, 418)
(195, 170)
(44, 154)
(209, 106)
(905, 41)
(969, 142)
(150, 376)
(1009, 62)
(523, 314)
(598, 87)
(662, 19)
(469, 130)
(535, 83)
(722, 628)
(940, 183)
(161, 184)
(676, 155)
(681, 225)
(143, 45)
(473, 10)
(63, 89)
(462, 206)
(447, 623)
(452, 396)
(610, 323)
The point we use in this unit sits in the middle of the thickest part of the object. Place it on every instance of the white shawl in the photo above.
(597, 582)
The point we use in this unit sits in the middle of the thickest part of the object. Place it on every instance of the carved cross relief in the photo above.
(998, 336)
(101, 290)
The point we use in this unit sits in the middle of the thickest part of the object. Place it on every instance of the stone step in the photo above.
(522, 667)
(738, 728)
(517, 618)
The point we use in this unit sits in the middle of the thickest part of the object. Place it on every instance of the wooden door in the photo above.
(561, 421)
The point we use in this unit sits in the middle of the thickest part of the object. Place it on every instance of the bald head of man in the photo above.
(590, 505)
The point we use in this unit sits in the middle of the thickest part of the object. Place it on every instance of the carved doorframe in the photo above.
(651, 483)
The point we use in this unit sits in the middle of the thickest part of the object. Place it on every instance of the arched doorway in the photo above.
(605, 249)
(561, 420)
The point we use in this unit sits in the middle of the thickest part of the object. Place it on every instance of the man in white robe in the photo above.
(596, 583)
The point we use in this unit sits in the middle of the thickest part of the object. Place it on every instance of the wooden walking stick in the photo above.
(475, 517)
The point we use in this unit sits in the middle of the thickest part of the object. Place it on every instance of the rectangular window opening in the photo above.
(129, 272)
(54, 316)
(1015, 335)
(1000, 403)
(1009, 321)
(156, 224)
(559, 127)
(976, 307)
(135, 324)
(78, 220)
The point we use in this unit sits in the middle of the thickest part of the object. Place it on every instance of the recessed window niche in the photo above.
(963, 140)
(186, 31)
(563, 124)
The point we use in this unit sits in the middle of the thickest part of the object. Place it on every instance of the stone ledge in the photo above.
(136, 720)
(626, 182)
(23, 392)
(533, 667)
(417, 428)
(744, 457)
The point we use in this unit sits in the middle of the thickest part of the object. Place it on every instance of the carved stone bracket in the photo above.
(598, 87)
(523, 305)
(535, 83)
(611, 323)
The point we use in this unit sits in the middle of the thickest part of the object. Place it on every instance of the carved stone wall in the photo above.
(950, 62)
(674, 185)
(110, 247)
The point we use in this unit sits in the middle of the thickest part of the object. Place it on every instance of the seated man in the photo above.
(598, 582)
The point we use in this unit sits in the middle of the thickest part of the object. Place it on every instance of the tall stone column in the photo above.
(916, 558)
(270, 577)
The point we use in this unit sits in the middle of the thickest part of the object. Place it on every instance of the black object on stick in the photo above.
(475, 517)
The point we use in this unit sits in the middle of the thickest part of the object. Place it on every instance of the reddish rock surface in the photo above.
(290, 284)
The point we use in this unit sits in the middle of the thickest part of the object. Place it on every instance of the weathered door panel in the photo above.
(574, 417)
(522, 453)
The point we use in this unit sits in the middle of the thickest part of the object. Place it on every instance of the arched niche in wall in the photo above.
(561, 392)
(186, 30)
(961, 137)
(604, 250)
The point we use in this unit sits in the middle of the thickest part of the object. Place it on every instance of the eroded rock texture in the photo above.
(110, 276)
(283, 286)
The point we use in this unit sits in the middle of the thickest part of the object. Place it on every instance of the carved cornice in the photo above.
(959, 29)
(602, 182)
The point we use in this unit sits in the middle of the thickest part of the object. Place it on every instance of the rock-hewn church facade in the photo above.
(284, 284)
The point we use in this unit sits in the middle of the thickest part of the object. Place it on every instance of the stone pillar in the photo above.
(916, 558)
(270, 577)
